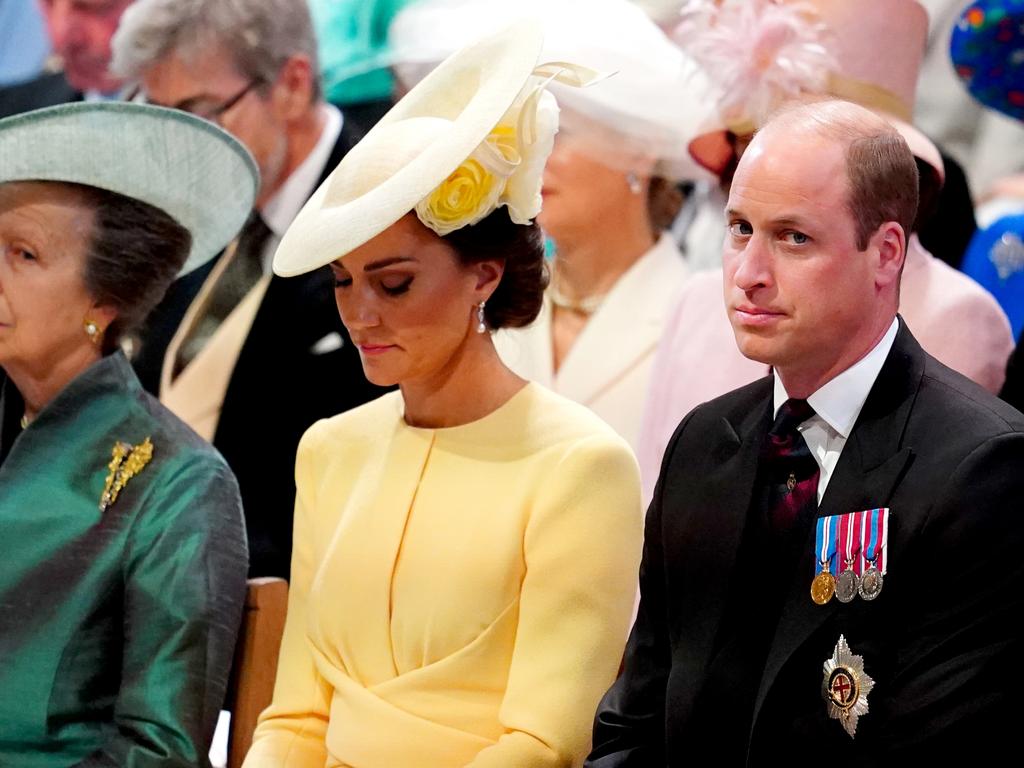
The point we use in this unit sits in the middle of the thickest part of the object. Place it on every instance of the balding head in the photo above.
(880, 168)
(819, 212)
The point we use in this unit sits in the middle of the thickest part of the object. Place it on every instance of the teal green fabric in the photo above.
(353, 37)
(117, 628)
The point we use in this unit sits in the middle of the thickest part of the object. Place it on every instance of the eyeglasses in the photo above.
(195, 106)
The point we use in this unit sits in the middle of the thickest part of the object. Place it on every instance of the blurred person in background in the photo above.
(353, 50)
(989, 144)
(988, 53)
(24, 44)
(233, 350)
(80, 32)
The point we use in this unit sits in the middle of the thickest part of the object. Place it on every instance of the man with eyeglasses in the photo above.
(248, 359)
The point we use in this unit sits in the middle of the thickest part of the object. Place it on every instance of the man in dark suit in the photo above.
(250, 360)
(80, 33)
(731, 660)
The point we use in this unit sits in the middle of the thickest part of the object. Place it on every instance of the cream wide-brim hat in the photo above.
(190, 169)
(423, 139)
(655, 100)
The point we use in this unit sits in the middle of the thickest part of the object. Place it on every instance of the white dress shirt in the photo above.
(281, 210)
(837, 405)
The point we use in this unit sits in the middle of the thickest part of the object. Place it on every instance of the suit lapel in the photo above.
(278, 306)
(868, 472)
(703, 576)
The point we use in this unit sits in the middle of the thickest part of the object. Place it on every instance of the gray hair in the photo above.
(259, 35)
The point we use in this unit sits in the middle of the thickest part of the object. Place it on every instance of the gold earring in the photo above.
(93, 331)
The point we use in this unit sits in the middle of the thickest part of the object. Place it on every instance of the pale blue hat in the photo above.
(187, 167)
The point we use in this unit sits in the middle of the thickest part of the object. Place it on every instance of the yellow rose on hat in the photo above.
(506, 169)
(468, 195)
(472, 136)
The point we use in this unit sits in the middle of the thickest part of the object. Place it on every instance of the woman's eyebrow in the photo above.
(375, 265)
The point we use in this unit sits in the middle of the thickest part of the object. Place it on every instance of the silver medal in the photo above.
(847, 584)
(870, 583)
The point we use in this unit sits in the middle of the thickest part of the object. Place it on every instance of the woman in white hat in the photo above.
(465, 549)
(124, 562)
(610, 193)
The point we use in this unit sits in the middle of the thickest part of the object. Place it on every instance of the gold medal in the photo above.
(823, 586)
(846, 686)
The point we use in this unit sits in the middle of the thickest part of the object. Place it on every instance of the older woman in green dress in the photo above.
(123, 566)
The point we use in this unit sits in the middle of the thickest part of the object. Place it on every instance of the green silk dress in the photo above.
(117, 626)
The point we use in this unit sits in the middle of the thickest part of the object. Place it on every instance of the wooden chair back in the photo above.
(251, 687)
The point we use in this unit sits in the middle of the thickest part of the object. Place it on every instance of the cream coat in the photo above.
(609, 366)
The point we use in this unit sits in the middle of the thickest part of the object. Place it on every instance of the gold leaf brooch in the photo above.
(125, 463)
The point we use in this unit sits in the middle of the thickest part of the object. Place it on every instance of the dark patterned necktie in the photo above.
(789, 468)
(243, 271)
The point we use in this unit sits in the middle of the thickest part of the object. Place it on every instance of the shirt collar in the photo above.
(839, 401)
(281, 210)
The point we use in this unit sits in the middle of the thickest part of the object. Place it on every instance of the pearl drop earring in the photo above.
(481, 324)
(634, 183)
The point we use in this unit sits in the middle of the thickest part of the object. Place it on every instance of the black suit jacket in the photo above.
(1013, 388)
(940, 641)
(47, 90)
(280, 385)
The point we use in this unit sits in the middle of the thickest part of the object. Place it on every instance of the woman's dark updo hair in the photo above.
(517, 300)
(664, 201)
(135, 253)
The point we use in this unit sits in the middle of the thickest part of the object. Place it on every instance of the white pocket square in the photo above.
(328, 343)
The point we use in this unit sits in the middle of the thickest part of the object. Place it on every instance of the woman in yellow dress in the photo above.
(465, 548)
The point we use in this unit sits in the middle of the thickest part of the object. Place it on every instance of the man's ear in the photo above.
(890, 242)
(293, 90)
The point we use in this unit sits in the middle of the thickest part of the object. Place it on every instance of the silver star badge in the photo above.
(846, 687)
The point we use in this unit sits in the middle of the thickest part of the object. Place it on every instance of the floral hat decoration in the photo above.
(987, 48)
(764, 53)
(657, 100)
(469, 138)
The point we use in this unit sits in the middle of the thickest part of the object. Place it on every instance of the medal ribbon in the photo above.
(825, 543)
(874, 539)
(849, 536)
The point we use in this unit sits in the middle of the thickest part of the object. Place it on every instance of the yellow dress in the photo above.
(459, 597)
